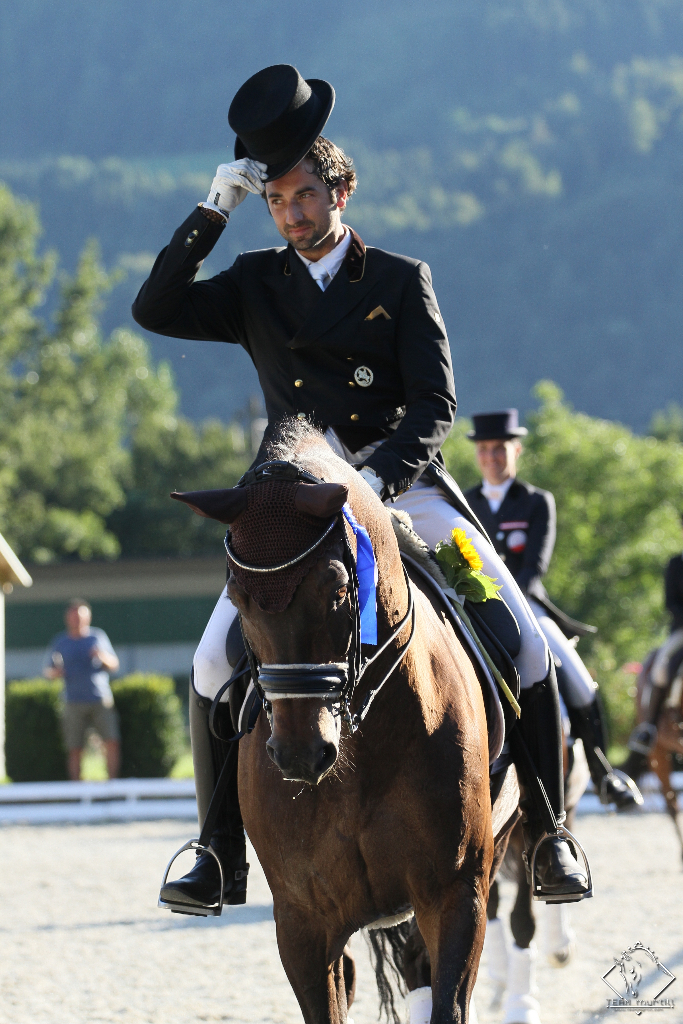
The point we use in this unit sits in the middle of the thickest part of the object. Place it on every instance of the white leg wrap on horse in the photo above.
(419, 1003)
(521, 1005)
(496, 948)
(211, 666)
(577, 679)
(558, 934)
(434, 518)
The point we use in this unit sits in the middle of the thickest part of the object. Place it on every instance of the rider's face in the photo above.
(305, 212)
(498, 459)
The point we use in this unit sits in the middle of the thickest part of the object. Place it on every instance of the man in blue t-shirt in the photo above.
(84, 657)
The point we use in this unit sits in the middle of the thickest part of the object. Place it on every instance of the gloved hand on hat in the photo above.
(232, 183)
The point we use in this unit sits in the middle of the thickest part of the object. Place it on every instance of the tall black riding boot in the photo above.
(588, 725)
(644, 736)
(558, 876)
(201, 885)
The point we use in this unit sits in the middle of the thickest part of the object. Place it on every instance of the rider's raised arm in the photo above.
(171, 302)
(424, 359)
(540, 540)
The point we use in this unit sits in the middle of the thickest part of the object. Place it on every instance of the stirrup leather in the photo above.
(536, 890)
(194, 909)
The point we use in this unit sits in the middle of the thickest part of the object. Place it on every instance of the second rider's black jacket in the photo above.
(522, 531)
(369, 356)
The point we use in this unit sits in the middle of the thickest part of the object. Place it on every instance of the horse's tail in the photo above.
(387, 947)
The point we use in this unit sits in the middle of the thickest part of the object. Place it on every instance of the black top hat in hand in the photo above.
(496, 426)
(277, 116)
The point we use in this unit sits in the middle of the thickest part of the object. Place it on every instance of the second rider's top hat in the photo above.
(495, 426)
(277, 116)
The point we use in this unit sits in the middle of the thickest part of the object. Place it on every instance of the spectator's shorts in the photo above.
(79, 716)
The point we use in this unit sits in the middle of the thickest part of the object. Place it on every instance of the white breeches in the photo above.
(433, 519)
(576, 684)
(659, 672)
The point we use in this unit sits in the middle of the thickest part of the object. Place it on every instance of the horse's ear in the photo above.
(225, 505)
(322, 500)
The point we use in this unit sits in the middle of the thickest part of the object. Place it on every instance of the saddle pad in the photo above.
(494, 709)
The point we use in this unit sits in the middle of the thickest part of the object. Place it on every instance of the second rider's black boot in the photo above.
(558, 877)
(200, 887)
(612, 787)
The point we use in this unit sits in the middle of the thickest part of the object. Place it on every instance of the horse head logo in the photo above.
(631, 973)
(631, 966)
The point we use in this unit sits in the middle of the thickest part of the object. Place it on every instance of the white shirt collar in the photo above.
(495, 493)
(323, 270)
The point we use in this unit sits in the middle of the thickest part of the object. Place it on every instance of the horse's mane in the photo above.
(286, 438)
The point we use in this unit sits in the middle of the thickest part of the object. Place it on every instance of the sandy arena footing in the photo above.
(81, 939)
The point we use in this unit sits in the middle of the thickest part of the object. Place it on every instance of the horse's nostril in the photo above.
(327, 757)
(272, 752)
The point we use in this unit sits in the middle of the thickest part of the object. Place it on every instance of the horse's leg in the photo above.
(660, 762)
(521, 1005)
(454, 936)
(318, 984)
(417, 974)
(349, 970)
(496, 947)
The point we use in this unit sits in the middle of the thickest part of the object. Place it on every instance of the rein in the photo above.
(335, 681)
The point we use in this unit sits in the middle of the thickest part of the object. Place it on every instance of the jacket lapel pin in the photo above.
(378, 311)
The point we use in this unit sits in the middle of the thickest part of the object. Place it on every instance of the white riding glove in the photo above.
(232, 183)
(373, 479)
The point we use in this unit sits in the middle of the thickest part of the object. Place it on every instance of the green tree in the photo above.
(619, 498)
(89, 425)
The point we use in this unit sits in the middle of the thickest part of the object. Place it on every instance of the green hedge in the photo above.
(152, 733)
(150, 713)
(34, 746)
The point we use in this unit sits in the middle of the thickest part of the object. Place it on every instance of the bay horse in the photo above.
(363, 805)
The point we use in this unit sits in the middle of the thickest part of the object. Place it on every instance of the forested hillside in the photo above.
(529, 150)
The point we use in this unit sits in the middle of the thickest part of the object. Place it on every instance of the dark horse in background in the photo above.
(669, 739)
(355, 827)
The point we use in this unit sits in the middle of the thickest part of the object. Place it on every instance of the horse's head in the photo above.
(297, 613)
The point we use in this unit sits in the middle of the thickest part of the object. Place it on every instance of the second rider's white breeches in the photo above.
(433, 519)
(577, 686)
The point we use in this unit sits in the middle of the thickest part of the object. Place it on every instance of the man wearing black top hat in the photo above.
(349, 337)
(520, 520)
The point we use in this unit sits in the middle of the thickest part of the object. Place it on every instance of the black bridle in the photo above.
(334, 681)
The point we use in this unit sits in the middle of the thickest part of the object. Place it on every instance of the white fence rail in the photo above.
(44, 803)
(117, 800)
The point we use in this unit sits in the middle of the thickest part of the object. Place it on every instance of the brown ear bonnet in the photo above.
(271, 522)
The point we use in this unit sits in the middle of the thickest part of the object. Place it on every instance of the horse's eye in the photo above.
(341, 593)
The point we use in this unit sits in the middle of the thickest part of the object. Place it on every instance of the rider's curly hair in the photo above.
(331, 164)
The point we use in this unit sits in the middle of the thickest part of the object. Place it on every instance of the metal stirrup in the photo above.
(536, 889)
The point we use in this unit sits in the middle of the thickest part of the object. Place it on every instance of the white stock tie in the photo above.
(320, 275)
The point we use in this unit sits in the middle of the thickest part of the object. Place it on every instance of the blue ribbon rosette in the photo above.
(366, 571)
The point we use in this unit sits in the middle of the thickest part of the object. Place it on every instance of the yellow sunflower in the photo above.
(467, 549)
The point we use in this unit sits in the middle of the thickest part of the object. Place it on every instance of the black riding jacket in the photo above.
(368, 356)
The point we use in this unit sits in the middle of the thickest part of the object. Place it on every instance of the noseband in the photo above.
(336, 681)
